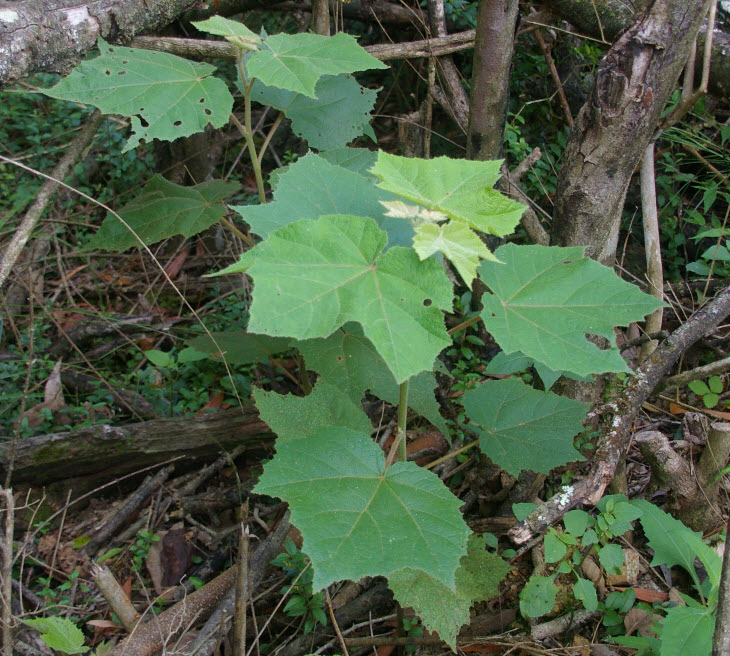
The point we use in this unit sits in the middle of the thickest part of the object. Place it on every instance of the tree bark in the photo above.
(495, 37)
(633, 84)
(117, 450)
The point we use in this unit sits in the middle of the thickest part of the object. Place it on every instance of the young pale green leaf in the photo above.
(233, 31)
(348, 361)
(457, 242)
(441, 609)
(313, 187)
(459, 188)
(312, 277)
(59, 633)
(295, 62)
(162, 210)
(294, 417)
(239, 346)
(339, 113)
(537, 598)
(546, 300)
(358, 518)
(676, 544)
(524, 428)
(687, 631)
(166, 97)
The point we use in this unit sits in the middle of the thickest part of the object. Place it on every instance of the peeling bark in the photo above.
(633, 84)
(54, 35)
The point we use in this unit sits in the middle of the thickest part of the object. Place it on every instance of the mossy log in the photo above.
(117, 450)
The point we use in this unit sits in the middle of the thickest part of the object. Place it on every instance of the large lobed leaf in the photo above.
(546, 300)
(312, 277)
(441, 609)
(296, 62)
(166, 97)
(239, 346)
(339, 113)
(358, 518)
(312, 187)
(294, 417)
(348, 361)
(162, 210)
(524, 428)
(459, 188)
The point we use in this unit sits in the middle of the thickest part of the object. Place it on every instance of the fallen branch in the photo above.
(621, 411)
(119, 449)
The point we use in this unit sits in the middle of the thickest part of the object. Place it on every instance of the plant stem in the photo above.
(402, 419)
(246, 127)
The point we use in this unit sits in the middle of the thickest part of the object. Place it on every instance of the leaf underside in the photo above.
(162, 210)
(524, 428)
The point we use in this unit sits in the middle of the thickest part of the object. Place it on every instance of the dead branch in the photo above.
(119, 449)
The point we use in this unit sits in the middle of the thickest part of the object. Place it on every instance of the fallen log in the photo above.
(118, 450)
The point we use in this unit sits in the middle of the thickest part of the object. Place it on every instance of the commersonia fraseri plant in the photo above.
(350, 269)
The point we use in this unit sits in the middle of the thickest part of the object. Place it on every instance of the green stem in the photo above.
(246, 128)
(402, 419)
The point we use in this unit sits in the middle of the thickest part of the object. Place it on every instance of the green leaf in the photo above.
(508, 363)
(162, 210)
(457, 242)
(296, 62)
(312, 187)
(166, 97)
(59, 633)
(357, 160)
(233, 31)
(339, 113)
(538, 596)
(312, 277)
(555, 550)
(348, 361)
(687, 631)
(676, 544)
(190, 355)
(240, 346)
(710, 400)
(294, 417)
(715, 384)
(699, 387)
(459, 188)
(576, 522)
(160, 358)
(585, 591)
(359, 519)
(441, 609)
(522, 510)
(611, 558)
(524, 428)
(546, 299)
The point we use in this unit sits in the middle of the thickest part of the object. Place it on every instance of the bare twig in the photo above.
(336, 626)
(32, 216)
(239, 620)
(115, 596)
(556, 77)
(7, 572)
(705, 371)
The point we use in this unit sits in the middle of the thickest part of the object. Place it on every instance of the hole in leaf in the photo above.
(107, 72)
(144, 123)
(207, 112)
(427, 302)
(202, 100)
(402, 300)
(339, 359)
(125, 62)
(177, 124)
(122, 73)
(141, 109)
